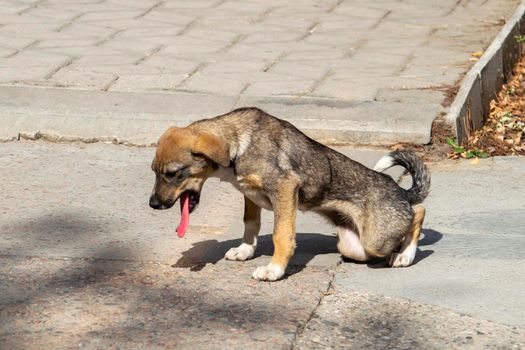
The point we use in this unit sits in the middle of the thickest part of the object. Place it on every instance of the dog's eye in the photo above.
(170, 173)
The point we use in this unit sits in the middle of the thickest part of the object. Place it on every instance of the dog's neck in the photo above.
(238, 138)
(226, 174)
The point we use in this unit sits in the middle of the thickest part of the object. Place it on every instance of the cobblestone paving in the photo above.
(336, 49)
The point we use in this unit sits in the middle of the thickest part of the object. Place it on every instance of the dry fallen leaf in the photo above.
(503, 133)
(477, 54)
(397, 147)
(474, 161)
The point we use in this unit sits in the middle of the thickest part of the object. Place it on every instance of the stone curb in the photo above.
(135, 118)
(482, 83)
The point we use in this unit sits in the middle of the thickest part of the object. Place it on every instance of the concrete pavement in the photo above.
(345, 72)
(86, 263)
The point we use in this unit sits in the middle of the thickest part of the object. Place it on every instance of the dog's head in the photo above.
(185, 158)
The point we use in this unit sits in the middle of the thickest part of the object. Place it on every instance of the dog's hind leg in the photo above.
(252, 225)
(407, 253)
(350, 246)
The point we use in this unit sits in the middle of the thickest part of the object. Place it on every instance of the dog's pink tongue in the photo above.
(184, 214)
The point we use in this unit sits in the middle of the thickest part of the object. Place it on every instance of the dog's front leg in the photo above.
(285, 211)
(252, 225)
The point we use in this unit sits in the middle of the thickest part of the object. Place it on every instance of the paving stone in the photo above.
(131, 45)
(154, 34)
(108, 56)
(244, 7)
(28, 58)
(100, 15)
(14, 42)
(77, 42)
(222, 84)
(353, 69)
(298, 70)
(78, 77)
(346, 90)
(145, 82)
(29, 28)
(128, 69)
(290, 86)
(354, 9)
(6, 52)
(54, 14)
(317, 55)
(334, 50)
(168, 17)
(169, 63)
(85, 55)
(18, 19)
(77, 29)
(196, 5)
(237, 68)
(13, 8)
(213, 34)
(410, 96)
(28, 74)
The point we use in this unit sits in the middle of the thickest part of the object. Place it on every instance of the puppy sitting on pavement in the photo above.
(279, 168)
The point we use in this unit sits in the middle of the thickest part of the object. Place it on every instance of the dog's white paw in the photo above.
(270, 272)
(404, 259)
(240, 253)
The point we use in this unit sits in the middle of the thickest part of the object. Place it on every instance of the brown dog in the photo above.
(279, 168)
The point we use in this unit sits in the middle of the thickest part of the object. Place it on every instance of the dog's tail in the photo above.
(420, 175)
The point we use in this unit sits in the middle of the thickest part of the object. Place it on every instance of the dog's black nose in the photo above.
(155, 203)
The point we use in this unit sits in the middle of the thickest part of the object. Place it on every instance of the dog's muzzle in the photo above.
(155, 203)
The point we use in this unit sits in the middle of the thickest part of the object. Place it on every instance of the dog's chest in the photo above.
(250, 185)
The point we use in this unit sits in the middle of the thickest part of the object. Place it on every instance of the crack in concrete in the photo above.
(301, 328)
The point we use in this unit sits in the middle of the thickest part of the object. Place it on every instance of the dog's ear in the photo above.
(213, 148)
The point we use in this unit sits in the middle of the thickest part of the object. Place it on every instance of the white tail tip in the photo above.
(384, 163)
